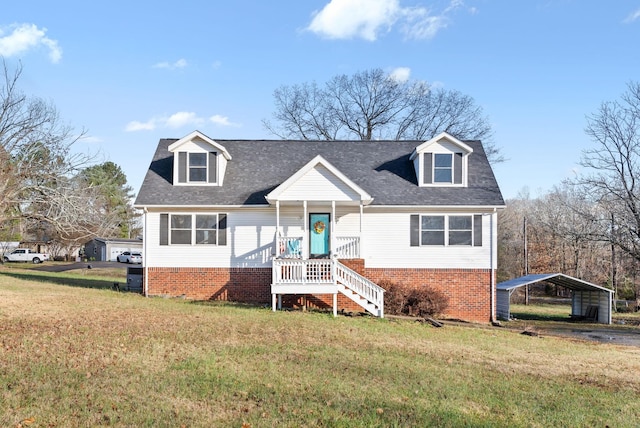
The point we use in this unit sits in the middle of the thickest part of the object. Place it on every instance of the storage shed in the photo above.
(588, 300)
(107, 249)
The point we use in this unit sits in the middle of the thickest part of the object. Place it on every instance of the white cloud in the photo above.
(177, 120)
(183, 118)
(366, 19)
(181, 63)
(24, 37)
(133, 126)
(400, 74)
(345, 19)
(633, 16)
(222, 120)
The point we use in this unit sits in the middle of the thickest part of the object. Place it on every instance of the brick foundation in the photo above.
(468, 290)
(247, 285)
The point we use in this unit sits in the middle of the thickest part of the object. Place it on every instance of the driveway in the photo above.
(605, 334)
(45, 267)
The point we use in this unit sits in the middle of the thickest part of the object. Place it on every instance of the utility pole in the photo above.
(526, 259)
(614, 286)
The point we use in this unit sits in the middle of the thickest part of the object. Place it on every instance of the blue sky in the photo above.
(132, 72)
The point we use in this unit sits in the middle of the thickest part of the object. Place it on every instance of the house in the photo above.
(107, 249)
(320, 223)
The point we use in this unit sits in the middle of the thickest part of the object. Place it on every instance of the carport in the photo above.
(588, 300)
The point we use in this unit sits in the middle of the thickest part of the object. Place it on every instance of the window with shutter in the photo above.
(445, 230)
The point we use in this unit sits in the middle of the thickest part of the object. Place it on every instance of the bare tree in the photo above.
(38, 166)
(614, 169)
(373, 105)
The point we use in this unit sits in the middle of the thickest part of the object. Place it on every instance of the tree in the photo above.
(111, 182)
(38, 168)
(374, 105)
(613, 179)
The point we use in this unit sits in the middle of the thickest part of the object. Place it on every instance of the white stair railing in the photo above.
(347, 247)
(362, 286)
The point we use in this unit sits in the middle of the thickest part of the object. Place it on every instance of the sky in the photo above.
(132, 72)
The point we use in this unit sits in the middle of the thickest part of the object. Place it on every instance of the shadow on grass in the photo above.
(527, 316)
(55, 278)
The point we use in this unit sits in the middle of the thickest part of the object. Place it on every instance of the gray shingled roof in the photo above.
(381, 168)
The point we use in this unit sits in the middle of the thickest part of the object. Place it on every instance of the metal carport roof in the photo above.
(554, 278)
(585, 294)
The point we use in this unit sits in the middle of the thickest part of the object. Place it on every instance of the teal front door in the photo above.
(319, 235)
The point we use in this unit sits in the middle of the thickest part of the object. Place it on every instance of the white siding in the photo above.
(250, 237)
(386, 245)
(385, 240)
(318, 184)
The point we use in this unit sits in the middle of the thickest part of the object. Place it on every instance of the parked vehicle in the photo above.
(25, 255)
(129, 257)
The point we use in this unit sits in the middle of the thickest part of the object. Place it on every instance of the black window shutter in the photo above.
(213, 167)
(164, 229)
(415, 230)
(222, 229)
(477, 230)
(457, 168)
(427, 164)
(182, 167)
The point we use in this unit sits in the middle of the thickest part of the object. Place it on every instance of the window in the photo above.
(206, 226)
(432, 230)
(197, 167)
(193, 229)
(446, 230)
(181, 229)
(442, 168)
(460, 230)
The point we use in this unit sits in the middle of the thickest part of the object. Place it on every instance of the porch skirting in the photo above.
(468, 290)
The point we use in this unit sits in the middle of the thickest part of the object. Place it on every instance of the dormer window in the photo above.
(442, 161)
(442, 168)
(198, 161)
(196, 167)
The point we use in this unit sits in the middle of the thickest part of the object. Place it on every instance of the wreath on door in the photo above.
(318, 226)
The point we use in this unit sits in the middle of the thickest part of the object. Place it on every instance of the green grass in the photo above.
(82, 355)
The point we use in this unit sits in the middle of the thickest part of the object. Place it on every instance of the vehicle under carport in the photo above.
(588, 301)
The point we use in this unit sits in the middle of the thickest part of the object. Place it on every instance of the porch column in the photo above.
(361, 254)
(278, 234)
(332, 230)
(335, 304)
(273, 302)
(305, 235)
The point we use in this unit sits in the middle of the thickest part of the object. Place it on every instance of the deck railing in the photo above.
(290, 247)
(296, 271)
(347, 247)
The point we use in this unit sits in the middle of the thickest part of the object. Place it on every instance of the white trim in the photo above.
(318, 160)
(442, 136)
(197, 134)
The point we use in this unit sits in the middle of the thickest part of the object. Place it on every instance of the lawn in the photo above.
(75, 353)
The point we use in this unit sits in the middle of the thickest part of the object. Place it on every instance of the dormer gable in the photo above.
(443, 161)
(198, 161)
(319, 180)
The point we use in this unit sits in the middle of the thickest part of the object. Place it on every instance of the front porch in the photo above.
(324, 276)
(319, 220)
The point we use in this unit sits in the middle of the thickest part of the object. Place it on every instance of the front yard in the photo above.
(75, 353)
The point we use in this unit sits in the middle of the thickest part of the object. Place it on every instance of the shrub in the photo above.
(420, 302)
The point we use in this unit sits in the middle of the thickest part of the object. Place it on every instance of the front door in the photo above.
(319, 235)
